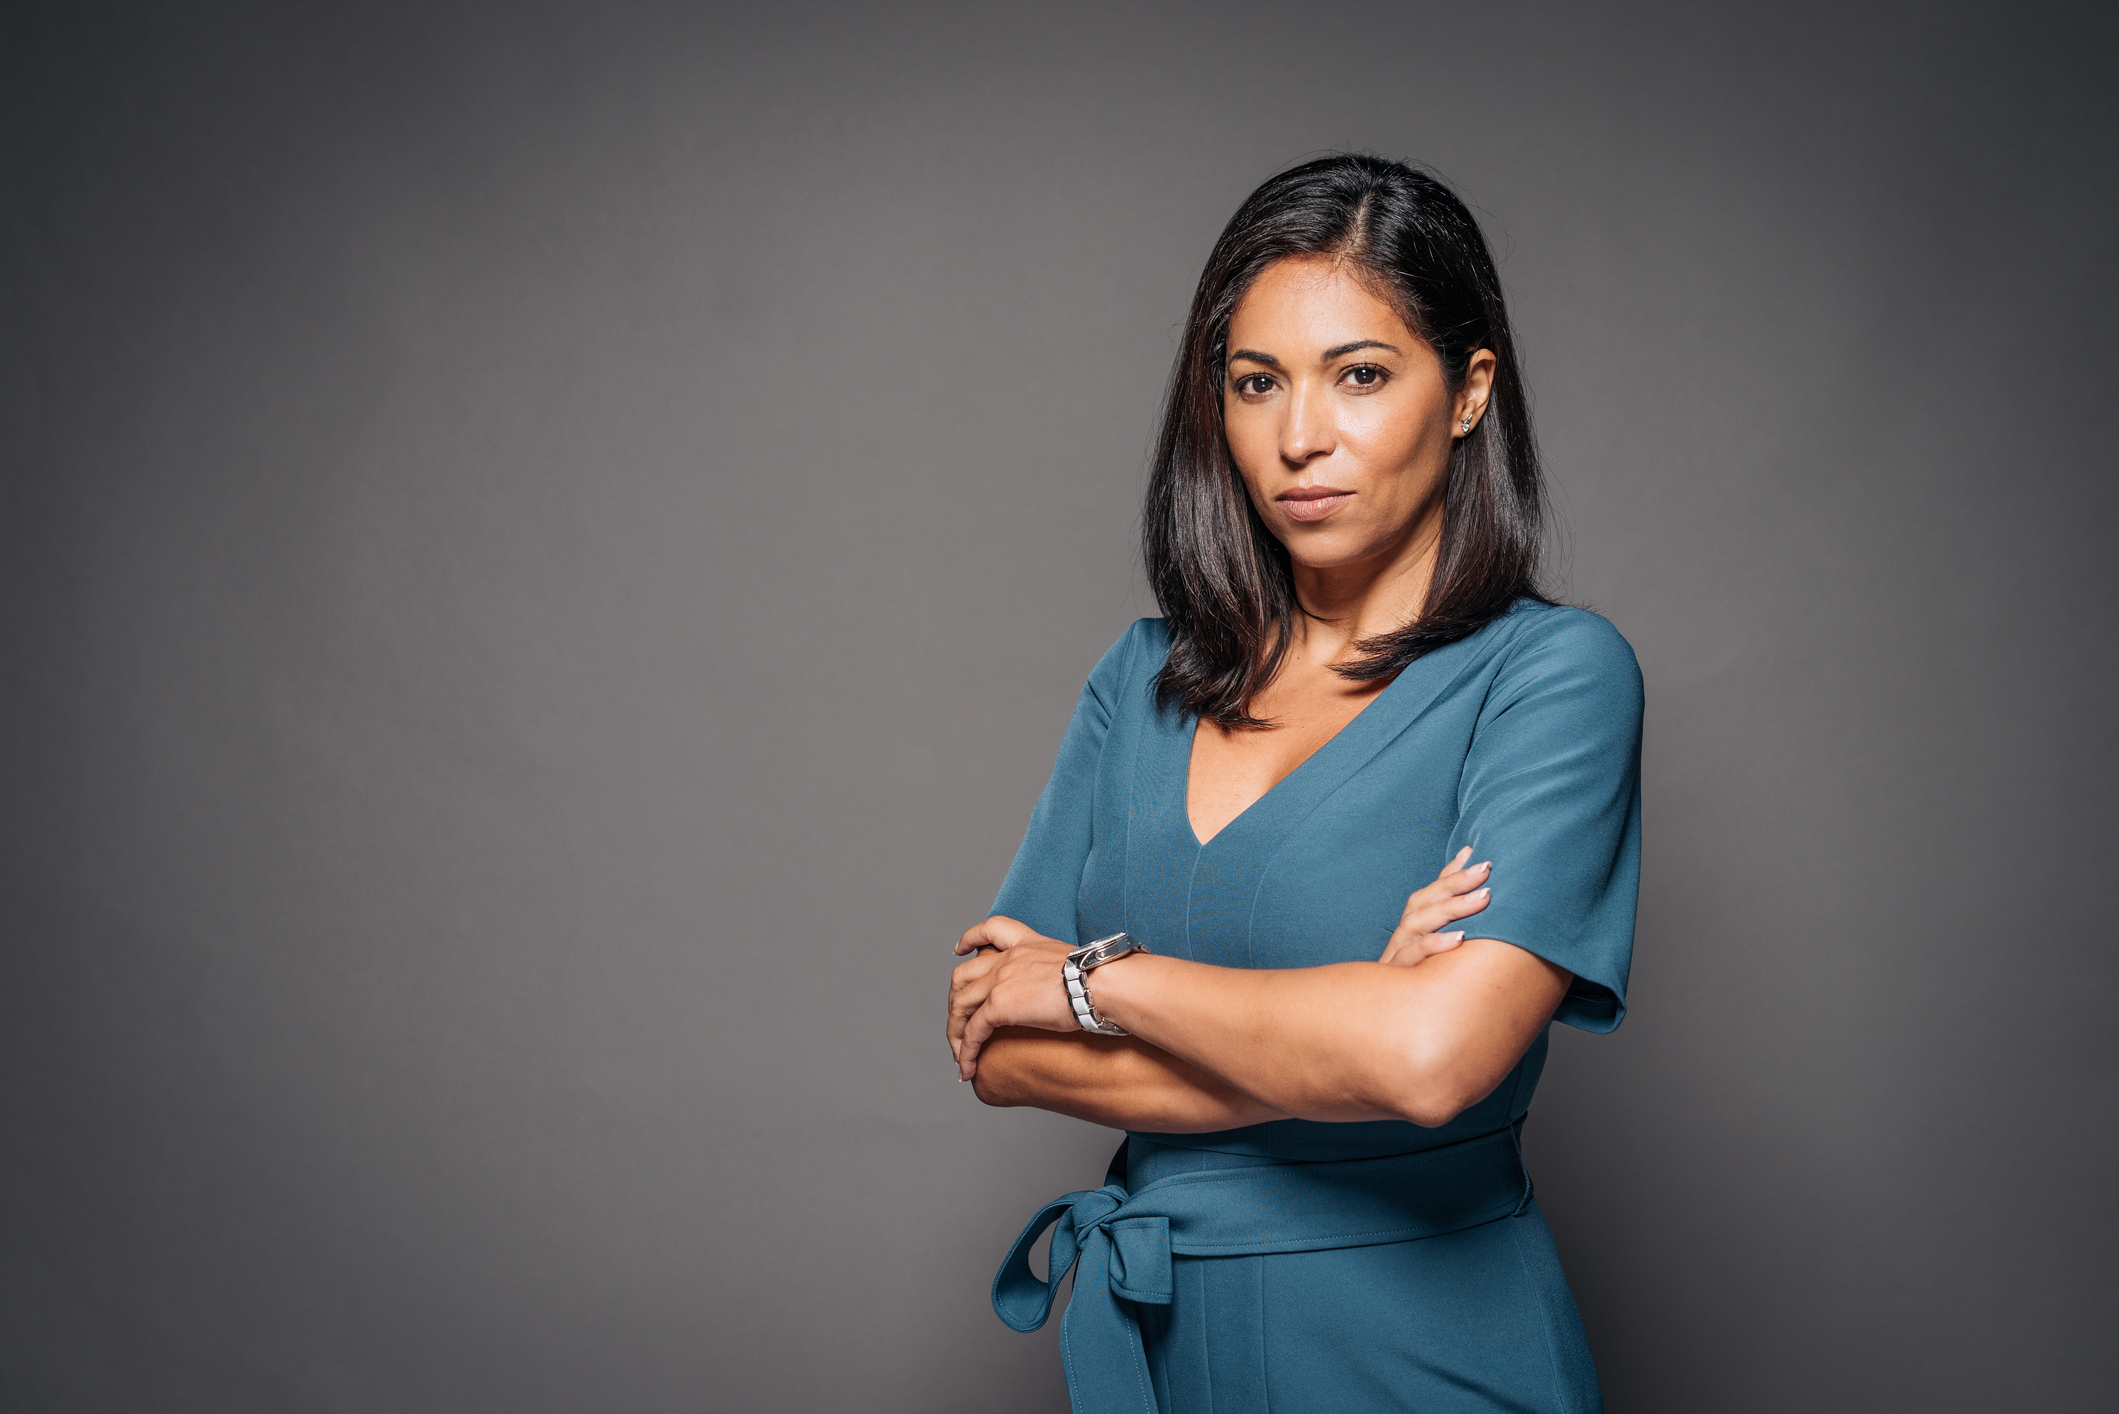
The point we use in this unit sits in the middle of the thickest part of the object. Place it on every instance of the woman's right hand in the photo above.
(1019, 984)
(1457, 893)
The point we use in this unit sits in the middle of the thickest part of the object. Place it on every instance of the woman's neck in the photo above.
(1344, 604)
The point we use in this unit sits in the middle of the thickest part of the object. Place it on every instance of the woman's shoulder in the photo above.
(1549, 645)
(1135, 658)
(1562, 632)
(1150, 638)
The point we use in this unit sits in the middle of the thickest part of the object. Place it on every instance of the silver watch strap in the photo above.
(1085, 1010)
(1075, 971)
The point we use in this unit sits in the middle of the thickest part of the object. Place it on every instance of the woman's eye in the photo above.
(1365, 375)
(1257, 385)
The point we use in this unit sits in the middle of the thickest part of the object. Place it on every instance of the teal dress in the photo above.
(1350, 1267)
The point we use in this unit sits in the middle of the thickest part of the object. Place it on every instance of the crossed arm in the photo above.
(1424, 1032)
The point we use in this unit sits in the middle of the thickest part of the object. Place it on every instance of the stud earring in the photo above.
(1465, 426)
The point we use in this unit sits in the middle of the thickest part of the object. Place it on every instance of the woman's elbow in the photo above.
(1430, 1107)
(993, 1088)
(1432, 1089)
(998, 1080)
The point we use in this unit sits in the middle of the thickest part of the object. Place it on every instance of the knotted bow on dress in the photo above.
(1125, 1241)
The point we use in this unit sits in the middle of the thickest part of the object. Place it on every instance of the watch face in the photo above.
(1103, 950)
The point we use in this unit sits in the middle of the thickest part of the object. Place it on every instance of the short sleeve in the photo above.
(1044, 884)
(1551, 793)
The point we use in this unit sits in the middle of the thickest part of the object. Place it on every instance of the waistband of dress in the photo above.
(1417, 1193)
(1149, 1158)
(1128, 1232)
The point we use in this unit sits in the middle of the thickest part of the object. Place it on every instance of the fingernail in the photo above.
(1454, 937)
(1480, 893)
(1487, 865)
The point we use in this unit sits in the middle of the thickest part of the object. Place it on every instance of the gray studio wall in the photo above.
(544, 552)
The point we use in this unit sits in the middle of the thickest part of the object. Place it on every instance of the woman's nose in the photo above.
(1308, 432)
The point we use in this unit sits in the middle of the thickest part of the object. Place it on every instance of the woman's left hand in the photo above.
(1451, 897)
(1012, 978)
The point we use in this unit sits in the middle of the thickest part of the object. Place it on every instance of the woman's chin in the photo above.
(1321, 549)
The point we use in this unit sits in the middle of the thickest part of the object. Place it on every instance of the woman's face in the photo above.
(1338, 416)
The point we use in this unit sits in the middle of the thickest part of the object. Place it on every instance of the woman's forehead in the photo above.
(1312, 303)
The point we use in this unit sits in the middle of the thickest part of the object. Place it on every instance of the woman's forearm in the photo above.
(1226, 1047)
(1351, 1041)
(1120, 1082)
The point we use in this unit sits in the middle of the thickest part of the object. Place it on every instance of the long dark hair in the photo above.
(1222, 578)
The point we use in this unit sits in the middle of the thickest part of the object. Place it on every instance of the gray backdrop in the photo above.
(545, 551)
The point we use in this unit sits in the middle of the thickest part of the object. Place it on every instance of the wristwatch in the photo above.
(1079, 962)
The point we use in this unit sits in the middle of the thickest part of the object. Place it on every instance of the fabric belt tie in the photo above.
(1124, 1241)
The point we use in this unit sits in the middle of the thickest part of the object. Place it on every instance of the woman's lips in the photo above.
(1312, 502)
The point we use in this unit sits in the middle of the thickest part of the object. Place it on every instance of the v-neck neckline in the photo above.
(1191, 738)
(1340, 757)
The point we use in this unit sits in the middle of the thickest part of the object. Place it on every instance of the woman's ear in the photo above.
(1478, 386)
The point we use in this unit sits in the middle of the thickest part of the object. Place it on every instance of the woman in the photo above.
(1321, 1202)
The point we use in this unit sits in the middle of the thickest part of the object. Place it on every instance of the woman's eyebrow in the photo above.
(1332, 353)
(1255, 357)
